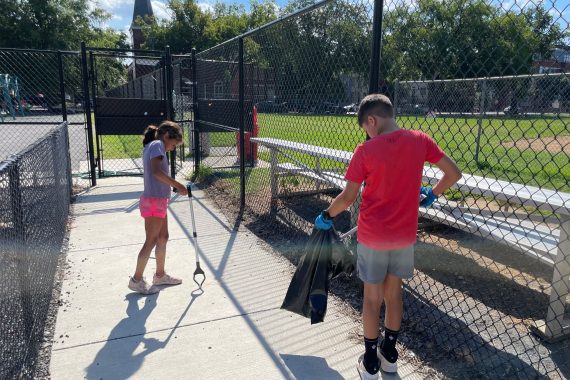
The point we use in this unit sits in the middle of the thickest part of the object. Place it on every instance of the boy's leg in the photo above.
(394, 302)
(401, 266)
(373, 295)
(152, 227)
(160, 250)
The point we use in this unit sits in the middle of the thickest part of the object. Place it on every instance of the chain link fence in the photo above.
(35, 193)
(38, 91)
(490, 297)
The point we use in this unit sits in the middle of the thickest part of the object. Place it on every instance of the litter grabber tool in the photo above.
(198, 272)
(348, 233)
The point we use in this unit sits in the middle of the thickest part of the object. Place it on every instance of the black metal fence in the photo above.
(40, 89)
(270, 125)
(491, 291)
(35, 192)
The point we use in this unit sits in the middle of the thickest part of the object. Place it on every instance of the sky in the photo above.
(122, 10)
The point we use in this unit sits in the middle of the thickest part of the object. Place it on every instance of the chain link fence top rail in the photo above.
(35, 190)
(38, 91)
(492, 261)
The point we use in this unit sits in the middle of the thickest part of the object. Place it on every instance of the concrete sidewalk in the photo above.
(233, 330)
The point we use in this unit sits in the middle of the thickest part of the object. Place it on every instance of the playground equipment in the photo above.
(10, 100)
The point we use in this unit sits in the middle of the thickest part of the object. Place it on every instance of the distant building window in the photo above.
(218, 89)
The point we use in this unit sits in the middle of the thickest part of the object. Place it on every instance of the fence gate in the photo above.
(129, 92)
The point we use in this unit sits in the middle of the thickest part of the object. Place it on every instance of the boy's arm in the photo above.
(345, 199)
(451, 174)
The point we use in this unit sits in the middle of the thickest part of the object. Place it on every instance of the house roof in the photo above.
(142, 8)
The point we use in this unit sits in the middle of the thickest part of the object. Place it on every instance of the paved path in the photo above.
(16, 137)
(233, 330)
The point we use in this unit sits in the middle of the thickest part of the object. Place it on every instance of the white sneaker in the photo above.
(385, 365)
(142, 287)
(364, 375)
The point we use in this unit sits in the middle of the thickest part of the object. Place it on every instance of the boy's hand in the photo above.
(323, 222)
(427, 197)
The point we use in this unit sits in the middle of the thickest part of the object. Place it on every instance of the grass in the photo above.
(456, 135)
(122, 146)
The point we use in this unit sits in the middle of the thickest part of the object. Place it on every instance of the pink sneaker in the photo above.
(166, 279)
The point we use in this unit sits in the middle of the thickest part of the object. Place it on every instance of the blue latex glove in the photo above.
(427, 197)
(323, 223)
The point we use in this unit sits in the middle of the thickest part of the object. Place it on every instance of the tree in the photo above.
(457, 39)
(191, 27)
(61, 24)
(56, 25)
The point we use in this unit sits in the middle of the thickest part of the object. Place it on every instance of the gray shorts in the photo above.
(373, 265)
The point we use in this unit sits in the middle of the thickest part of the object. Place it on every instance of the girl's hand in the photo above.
(181, 189)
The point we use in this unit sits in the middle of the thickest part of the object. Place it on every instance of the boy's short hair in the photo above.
(375, 104)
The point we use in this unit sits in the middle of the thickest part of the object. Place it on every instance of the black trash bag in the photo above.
(325, 258)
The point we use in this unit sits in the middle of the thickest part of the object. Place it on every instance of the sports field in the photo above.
(533, 151)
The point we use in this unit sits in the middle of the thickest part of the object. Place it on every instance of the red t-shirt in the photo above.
(391, 165)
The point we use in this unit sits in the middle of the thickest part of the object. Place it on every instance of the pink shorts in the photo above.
(153, 207)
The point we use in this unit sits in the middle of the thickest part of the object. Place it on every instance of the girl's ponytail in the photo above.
(150, 134)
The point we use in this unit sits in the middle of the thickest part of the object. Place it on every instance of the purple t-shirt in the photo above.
(152, 186)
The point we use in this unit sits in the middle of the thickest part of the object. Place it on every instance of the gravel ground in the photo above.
(468, 308)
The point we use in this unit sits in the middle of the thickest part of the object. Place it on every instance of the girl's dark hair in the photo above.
(169, 128)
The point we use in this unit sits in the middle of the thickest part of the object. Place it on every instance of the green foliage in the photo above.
(455, 38)
(60, 24)
(192, 27)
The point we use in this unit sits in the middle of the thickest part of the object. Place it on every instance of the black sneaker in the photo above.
(388, 360)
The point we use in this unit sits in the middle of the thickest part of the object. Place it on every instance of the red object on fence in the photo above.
(249, 148)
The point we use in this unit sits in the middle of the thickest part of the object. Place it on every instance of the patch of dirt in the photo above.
(468, 307)
(556, 144)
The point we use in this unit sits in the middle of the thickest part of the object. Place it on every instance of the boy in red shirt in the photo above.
(391, 166)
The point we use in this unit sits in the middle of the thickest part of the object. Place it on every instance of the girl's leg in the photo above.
(160, 250)
(152, 226)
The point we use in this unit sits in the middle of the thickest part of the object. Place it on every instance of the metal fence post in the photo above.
(395, 100)
(68, 166)
(64, 116)
(87, 109)
(169, 104)
(19, 245)
(480, 120)
(376, 46)
(241, 123)
(196, 132)
(61, 86)
(98, 142)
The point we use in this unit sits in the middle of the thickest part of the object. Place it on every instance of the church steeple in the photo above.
(142, 8)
